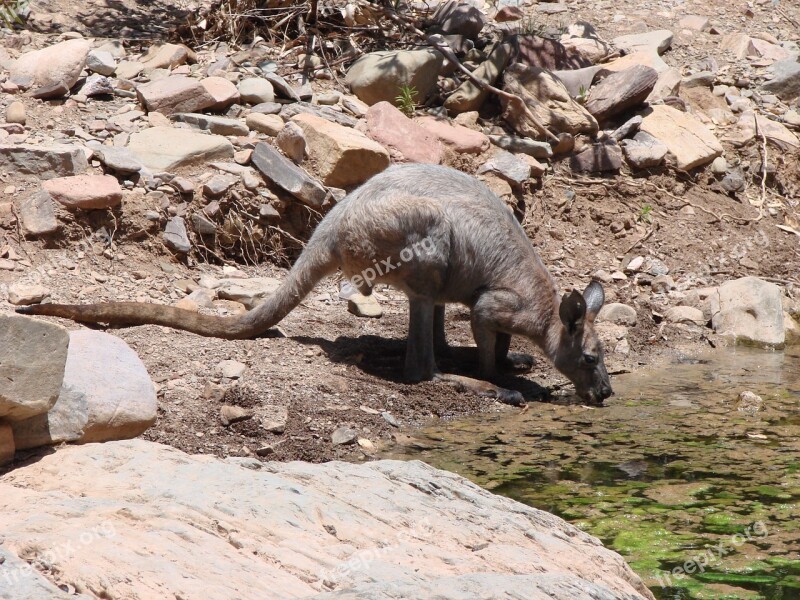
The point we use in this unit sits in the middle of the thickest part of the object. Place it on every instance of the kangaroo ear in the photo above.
(572, 311)
(594, 296)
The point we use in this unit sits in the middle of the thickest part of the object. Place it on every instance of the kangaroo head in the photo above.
(580, 353)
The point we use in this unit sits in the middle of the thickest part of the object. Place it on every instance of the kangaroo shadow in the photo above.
(384, 357)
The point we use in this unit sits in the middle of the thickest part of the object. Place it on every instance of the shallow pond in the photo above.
(698, 489)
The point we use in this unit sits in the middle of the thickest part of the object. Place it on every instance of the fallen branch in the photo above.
(515, 103)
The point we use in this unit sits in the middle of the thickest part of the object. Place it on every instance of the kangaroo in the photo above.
(440, 236)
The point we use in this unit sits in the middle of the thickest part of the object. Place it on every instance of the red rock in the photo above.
(223, 91)
(406, 141)
(174, 95)
(459, 138)
(85, 191)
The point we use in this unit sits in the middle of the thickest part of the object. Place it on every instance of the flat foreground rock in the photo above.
(167, 148)
(201, 527)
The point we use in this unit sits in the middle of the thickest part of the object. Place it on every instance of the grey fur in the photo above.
(481, 258)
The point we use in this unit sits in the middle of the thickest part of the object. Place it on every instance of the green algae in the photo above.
(668, 475)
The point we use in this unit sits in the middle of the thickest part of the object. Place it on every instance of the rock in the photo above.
(364, 306)
(281, 86)
(644, 151)
(379, 76)
(118, 159)
(719, 166)
(662, 284)
(578, 81)
(176, 237)
(455, 18)
(249, 292)
(689, 141)
(620, 314)
(668, 84)
(218, 186)
(101, 62)
(659, 41)
(582, 38)
(37, 214)
(85, 191)
(512, 169)
(267, 108)
(168, 148)
(176, 94)
(775, 132)
(7, 450)
(166, 56)
(734, 181)
(461, 139)
(269, 124)
(233, 414)
(535, 51)
(32, 358)
(57, 65)
(520, 145)
(343, 156)
(548, 99)
(15, 113)
(45, 162)
(326, 112)
(288, 176)
(701, 79)
(115, 402)
(223, 92)
(792, 329)
(231, 369)
(406, 140)
(343, 436)
(621, 91)
(292, 142)
(628, 129)
(128, 69)
(274, 528)
(695, 23)
(273, 418)
(212, 124)
(685, 314)
(21, 294)
(256, 90)
(749, 402)
(647, 58)
(597, 158)
(468, 96)
(749, 311)
(785, 82)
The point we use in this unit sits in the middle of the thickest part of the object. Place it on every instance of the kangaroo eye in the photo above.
(589, 359)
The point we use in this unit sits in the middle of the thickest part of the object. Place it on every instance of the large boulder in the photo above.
(106, 395)
(406, 140)
(379, 76)
(32, 358)
(57, 65)
(167, 148)
(202, 527)
(548, 99)
(343, 157)
(748, 311)
(689, 141)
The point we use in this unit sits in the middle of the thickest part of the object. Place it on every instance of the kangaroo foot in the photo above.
(481, 388)
(516, 362)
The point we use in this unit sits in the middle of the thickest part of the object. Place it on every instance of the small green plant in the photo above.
(406, 100)
(12, 12)
(583, 95)
(646, 214)
(530, 26)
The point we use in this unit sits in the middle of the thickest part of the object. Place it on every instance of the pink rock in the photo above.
(459, 138)
(85, 191)
(406, 141)
(54, 65)
(174, 95)
(222, 90)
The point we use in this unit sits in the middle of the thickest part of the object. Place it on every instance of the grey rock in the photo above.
(117, 158)
(597, 158)
(662, 284)
(734, 181)
(176, 237)
(218, 186)
(749, 311)
(97, 85)
(250, 292)
(522, 145)
(292, 142)
(285, 174)
(267, 108)
(511, 168)
(38, 215)
(169, 148)
(256, 90)
(290, 110)
(644, 151)
(212, 124)
(117, 401)
(621, 314)
(231, 369)
(577, 80)
(660, 41)
(273, 418)
(378, 76)
(704, 79)
(202, 225)
(101, 62)
(22, 294)
(273, 526)
(281, 86)
(628, 129)
(32, 358)
(785, 82)
(621, 91)
(15, 113)
(49, 92)
(342, 436)
(685, 314)
(46, 162)
(456, 18)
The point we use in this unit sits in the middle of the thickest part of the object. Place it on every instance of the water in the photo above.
(697, 489)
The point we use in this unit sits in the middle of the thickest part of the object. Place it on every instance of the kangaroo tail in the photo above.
(316, 261)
